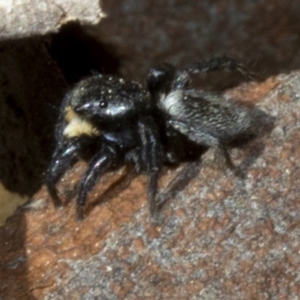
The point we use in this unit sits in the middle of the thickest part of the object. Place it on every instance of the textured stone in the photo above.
(221, 237)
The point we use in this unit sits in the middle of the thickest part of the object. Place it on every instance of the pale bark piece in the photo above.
(22, 18)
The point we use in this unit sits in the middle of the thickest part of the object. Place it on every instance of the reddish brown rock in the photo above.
(220, 237)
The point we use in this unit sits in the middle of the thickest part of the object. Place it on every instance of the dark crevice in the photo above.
(32, 97)
(79, 54)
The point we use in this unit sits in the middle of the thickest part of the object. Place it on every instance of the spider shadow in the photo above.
(253, 147)
(115, 188)
(252, 150)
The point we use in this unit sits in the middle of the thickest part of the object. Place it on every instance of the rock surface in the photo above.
(221, 237)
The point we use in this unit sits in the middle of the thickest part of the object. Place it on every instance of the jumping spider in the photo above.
(119, 122)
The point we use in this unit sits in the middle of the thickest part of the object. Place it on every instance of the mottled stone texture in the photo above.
(221, 238)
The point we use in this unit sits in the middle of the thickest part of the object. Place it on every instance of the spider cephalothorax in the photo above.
(119, 122)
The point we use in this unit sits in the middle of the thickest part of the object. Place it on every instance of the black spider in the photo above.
(116, 122)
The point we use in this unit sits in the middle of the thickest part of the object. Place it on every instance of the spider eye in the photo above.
(103, 104)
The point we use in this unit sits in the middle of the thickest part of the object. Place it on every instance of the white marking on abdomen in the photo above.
(172, 102)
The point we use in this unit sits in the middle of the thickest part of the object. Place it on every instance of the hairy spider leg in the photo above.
(152, 157)
(182, 77)
(60, 162)
(163, 78)
(219, 63)
(97, 166)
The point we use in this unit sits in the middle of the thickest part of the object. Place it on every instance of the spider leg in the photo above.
(60, 162)
(98, 165)
(218, 63)
(182, 78)
(163, 78)
(152, 157)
